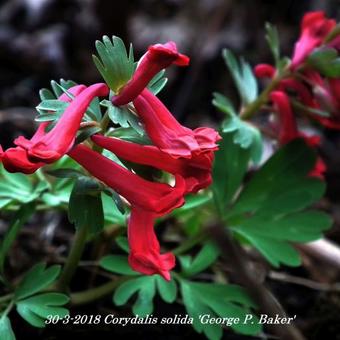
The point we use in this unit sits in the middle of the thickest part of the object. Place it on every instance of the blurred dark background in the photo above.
(42, 40)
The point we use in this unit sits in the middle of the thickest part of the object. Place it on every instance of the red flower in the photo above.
(168, 134)
(288, 130)
(153, 61)
(196, 171)
(314, 29)
(17, 159)
(148, 200)
(264, 71)
(145, 256)
(51, 146)
(158, 198)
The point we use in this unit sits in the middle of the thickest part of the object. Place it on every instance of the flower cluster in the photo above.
(186, 154)
(302, 84)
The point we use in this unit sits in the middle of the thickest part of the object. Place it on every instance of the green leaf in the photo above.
(243, 76)
(218, 300)
(116, 199)
(204, 259)
(123, 117)
(117, 264)
(51, 108)
(112, 214)
(21, 217)
(85, 205)
(230, 166)
(87, 132)
(326, 61)
(65, 173)
(114, 64)
(167, 289)
(36, 280)
(193, 202)
(270, 211)
(272, 37)
(158, 82)
(244, 134)
(146, 289)
(6, 331)
(18, 187)
(37, 308)
(123, 243)
(223, 104)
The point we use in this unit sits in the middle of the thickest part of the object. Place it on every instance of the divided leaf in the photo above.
(17, 187)
(37, 308)
(51, 109)
(123, 116)
(35, 280)
(114, 64)
(117, 264)
(218, 300)
(270, 211)
(243, 76)
(206, 257)
(244, 134)
(145, 287)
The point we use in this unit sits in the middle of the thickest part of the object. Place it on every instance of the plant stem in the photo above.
(73, 258)
(7, 310)
(6, 298)
(96, 293)
(248, 111)
(105, 121)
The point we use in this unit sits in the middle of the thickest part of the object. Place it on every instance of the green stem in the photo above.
(73, 258)
(103, 125)
(254, 106)
(6, 297)
(105, 121)
(96, 293)
(7, 310)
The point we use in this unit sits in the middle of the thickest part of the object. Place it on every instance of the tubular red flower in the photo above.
(52, 145)
(153, 61)
(17, 159)
(300, 89)
(314, 29)
(289, 131)
(158, 198)
(326, 97)
(264, 71)
(168, 134)
(148, 200)
(196, 171)
(145, 256)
